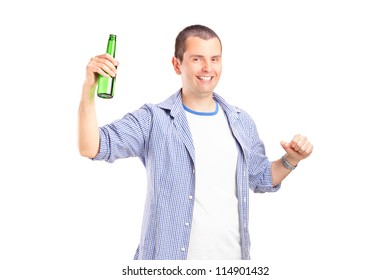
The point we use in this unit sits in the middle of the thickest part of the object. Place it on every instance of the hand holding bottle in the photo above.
(104, 65)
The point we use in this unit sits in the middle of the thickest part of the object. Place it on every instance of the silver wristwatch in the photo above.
(286, 164)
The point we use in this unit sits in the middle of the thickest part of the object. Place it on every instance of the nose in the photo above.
(207, 66)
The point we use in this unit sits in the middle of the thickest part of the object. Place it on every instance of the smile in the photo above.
(204, 78)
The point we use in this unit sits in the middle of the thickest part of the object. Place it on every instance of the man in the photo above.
(201, 155)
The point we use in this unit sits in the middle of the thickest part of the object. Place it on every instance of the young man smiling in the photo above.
(201, 154)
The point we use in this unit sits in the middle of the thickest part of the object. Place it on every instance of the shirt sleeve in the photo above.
(126, 137)
(260, 173)
(262, 181)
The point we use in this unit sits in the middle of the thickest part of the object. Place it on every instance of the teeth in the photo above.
(207, 78)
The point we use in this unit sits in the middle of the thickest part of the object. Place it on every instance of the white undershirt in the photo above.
(215, 224)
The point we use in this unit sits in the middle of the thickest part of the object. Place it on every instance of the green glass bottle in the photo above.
(106, 85)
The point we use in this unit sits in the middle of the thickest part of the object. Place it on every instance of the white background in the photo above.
(319, 68)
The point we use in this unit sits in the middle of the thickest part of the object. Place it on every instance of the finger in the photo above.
(108, 57)
(309, 149)
(95, 68)
(108, 68)
(285, 145)
(104, 61)
(105, 58)
(294, 141)
(299, 143)
(102, 66)
(304, 146)
(102, 72)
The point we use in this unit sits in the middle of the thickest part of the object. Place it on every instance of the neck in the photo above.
(204, 103)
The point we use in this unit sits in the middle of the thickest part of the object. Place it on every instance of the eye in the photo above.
(215, 59)
(196, 59)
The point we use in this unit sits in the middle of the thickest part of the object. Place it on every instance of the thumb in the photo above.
(285, 145)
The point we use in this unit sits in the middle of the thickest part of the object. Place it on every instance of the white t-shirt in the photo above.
(215, 225)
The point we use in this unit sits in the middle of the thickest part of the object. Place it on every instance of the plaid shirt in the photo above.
(159, 135)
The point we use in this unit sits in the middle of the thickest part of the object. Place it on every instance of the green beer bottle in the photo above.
(106, 86)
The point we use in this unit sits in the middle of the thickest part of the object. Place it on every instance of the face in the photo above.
(201, 67)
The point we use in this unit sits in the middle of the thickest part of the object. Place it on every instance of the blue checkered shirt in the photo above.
(160, 136)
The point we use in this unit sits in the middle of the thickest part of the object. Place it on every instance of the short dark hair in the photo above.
(196, 30)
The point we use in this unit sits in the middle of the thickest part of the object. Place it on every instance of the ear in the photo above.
(176, 65)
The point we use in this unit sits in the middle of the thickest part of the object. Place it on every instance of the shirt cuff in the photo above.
(101, 155)
(266, 184)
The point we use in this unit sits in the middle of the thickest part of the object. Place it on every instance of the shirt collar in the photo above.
(175, 105)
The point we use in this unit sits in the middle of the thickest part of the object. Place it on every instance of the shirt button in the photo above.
(190, 197)
(183, 249)
(187, 224)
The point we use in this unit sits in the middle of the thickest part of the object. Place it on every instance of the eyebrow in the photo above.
(198, 55)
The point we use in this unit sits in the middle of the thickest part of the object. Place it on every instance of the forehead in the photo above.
(198, 46)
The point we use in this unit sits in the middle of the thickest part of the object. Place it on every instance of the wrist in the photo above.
(289, 163)
(88, 93)
(291, 160)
